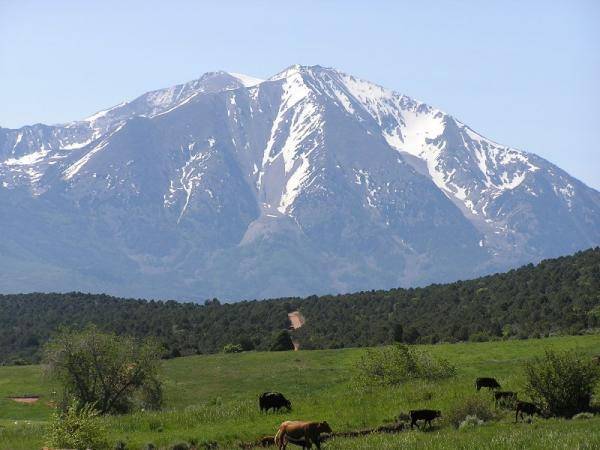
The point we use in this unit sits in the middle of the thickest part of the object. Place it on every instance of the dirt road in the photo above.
(297, 320)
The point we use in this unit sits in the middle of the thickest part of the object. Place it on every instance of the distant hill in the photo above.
(558, 296)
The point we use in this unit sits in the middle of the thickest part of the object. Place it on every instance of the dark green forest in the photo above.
(557, 296)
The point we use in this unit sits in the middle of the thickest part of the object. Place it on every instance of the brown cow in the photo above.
(297, 431)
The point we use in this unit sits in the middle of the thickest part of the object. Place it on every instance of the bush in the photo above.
(477, 406)
(470, 422)
(20, 362)
(77, 429)
(282, 342)
(150, 394)
(563, 382)
(399, 363)
(479, 337)
(583, 416)
(180, 446)
(247, 344)
(233, 348)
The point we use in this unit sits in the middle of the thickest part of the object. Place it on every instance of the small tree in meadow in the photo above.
(563, 382)
(110, 372)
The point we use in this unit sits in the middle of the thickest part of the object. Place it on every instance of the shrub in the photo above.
(480, 336)
(150, 394)
(477, 406)
(470, 422)
(20, 362)
(583, 416)
(563, 382)
(233, 348)
(282, 342)
(399, 363)
(77, 429)
(180, 446)
(247, 344)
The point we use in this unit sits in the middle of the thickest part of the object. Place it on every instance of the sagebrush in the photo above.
(475, 405)
(562, 382)
(399, 363)
(77, 428)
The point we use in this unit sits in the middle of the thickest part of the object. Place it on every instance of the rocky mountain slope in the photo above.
(311, 181)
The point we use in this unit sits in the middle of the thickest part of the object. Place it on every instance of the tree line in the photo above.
(557, 296)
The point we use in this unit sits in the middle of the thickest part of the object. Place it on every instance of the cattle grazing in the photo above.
(427, 415)
(274, 401)
(301, 433)
(527, 408)
(266, 441)
(505, 397)
(489, 383)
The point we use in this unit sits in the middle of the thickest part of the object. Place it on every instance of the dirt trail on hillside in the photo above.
(297, 320)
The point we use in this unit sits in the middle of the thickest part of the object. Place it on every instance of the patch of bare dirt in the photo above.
(29, 399)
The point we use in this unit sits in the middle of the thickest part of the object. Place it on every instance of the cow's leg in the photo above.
(307, 439)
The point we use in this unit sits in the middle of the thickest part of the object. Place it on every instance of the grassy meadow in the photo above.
(215, 398)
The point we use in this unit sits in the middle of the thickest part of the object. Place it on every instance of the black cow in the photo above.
(273, 400)
(504, 396)
(489, 383)
(527, 408)
(427, 415)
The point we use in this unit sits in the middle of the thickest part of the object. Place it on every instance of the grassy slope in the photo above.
(215, 398)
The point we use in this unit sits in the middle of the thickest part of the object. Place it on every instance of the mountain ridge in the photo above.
(311, 181)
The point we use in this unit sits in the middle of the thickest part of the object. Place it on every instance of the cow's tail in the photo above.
(279, 437)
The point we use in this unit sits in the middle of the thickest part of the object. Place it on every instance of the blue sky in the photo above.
(526, 74)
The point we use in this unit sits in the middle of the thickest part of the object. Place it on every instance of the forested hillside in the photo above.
(558, 296)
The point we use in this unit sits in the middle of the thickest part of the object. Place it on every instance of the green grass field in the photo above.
(214, 398)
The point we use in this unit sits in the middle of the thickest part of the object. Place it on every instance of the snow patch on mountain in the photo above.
(29, 159)
(246, 80)
(74, 168)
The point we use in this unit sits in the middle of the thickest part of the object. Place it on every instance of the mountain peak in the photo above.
(301, 69)
(318, 182)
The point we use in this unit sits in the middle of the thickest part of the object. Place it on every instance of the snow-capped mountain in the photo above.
(311, 181)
